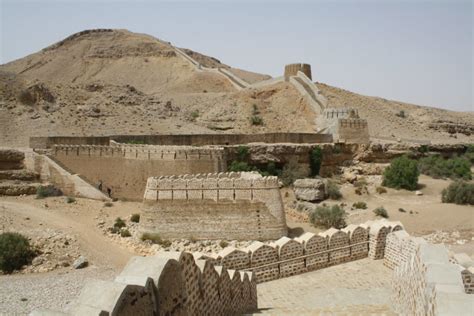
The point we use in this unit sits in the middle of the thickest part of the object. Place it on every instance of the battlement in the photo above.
(236, 205)
(141, 152)
(353, 123)
(332, 113)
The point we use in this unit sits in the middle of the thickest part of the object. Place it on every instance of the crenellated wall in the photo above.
(169, 283)
(286, 257)
(214, 206)
(125, 169)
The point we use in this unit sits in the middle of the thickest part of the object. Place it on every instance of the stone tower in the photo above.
(292, 70)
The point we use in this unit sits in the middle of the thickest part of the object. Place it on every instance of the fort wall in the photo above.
(169, 283)
(293, 69)
(214, 206)
(353, 131)
(184, 140)
(125, 169)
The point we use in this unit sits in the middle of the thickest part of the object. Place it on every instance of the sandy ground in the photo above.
(425, 215)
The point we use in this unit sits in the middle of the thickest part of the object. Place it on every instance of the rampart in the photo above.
(353, 131)
(426, 281)
(286, 257)
(169, 283)
(125, 169)
(184, 139)
(214, 206)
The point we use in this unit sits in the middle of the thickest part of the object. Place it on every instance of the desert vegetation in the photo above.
(328, 216)
(437, 167)
(401, 174)
(381, 211)
(459, 192)
(15, 252)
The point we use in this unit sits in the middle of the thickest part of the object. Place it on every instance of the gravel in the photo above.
(22, 293)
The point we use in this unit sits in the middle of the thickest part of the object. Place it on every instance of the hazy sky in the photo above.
(414, 51)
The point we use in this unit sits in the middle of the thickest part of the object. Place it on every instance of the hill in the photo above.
(101, 82)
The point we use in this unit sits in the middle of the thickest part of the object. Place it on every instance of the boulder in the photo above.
(310, 190)
(80, 263)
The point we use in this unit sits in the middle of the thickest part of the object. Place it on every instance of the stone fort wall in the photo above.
(169, 283)
(286, 257)
(292, 70)
(214, 206)
(426, 281)
(125, 169)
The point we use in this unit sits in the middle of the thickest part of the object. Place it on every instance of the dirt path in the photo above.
(98, 248)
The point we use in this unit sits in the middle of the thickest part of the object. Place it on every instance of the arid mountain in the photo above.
(103, 82)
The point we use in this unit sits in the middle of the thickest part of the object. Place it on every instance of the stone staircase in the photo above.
(14, 178)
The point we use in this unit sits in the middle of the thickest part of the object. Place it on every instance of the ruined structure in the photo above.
(292, 70)
(214, 206)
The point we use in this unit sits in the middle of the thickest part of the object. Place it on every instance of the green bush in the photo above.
(315, 160)
(437, 167)
(119, 223)
(459, 192)
(194, 115)
(70, 200)
(156, 239)
(333, 191)
(243, 153)
(360, 205)
(327, 217)
(292, 171)
(108, 204)
(238, 166)
(44, 191)
(125, 233)
(401, 174)
(15, 252)
(135, 218)
(469, 154)
(381, 211)
(256, 120)
(223, 243)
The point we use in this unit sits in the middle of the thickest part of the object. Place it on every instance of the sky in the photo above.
(414, 51)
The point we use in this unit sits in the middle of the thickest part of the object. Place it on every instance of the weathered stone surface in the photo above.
(310, 189)
(80, 263)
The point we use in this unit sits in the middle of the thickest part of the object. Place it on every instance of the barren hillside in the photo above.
(104, 82)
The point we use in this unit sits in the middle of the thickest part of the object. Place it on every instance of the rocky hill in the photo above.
(101, 82)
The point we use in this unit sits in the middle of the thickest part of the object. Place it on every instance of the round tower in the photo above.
(292, 70)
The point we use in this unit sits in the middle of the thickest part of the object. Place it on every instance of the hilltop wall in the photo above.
(214, 206)
(125, 169)
(353, 131)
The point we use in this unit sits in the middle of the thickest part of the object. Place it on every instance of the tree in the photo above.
(401, 174)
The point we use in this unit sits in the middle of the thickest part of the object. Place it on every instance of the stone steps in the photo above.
(18, 174)
(16, 187)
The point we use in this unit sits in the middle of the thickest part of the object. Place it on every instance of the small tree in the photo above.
(459, 192)
(315, 160)
(328, 217)
(333, 191)
(401, 174)
(15, 252)
(381, 211)
(292, 171)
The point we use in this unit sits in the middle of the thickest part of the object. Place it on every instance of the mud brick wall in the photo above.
(214, 206)
(290, 252)
(400, 246)
(292, 70)
(315, 251)
(169, 283)
(264, 262)
(125, 169)
(358, 237)
(353, 131)
(235, 259)
(337, 239)
(468, 280)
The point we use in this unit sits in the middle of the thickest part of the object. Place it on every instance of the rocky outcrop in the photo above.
(311, 190)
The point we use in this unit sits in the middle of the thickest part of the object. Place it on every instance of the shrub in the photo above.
(194, 115)
(255, 110)
(423, 149)
(292, 171)
(256, 120)
(360, 183)
(70, 200)
(237, 166)
(223, 243)
(459, 192)
(381, 211)
(156, 239)
(108, 204)
(119, 223)
(328, 217)
(243, 153)
(437, 167)
(469, 154)
(402, 210)
(401, 174)
(315, 160)
(135, 218)
(360, 205)
(125, 233)
(15, 252)
(380, 190)
(44, 191)
(401, 114)
(333, 191)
